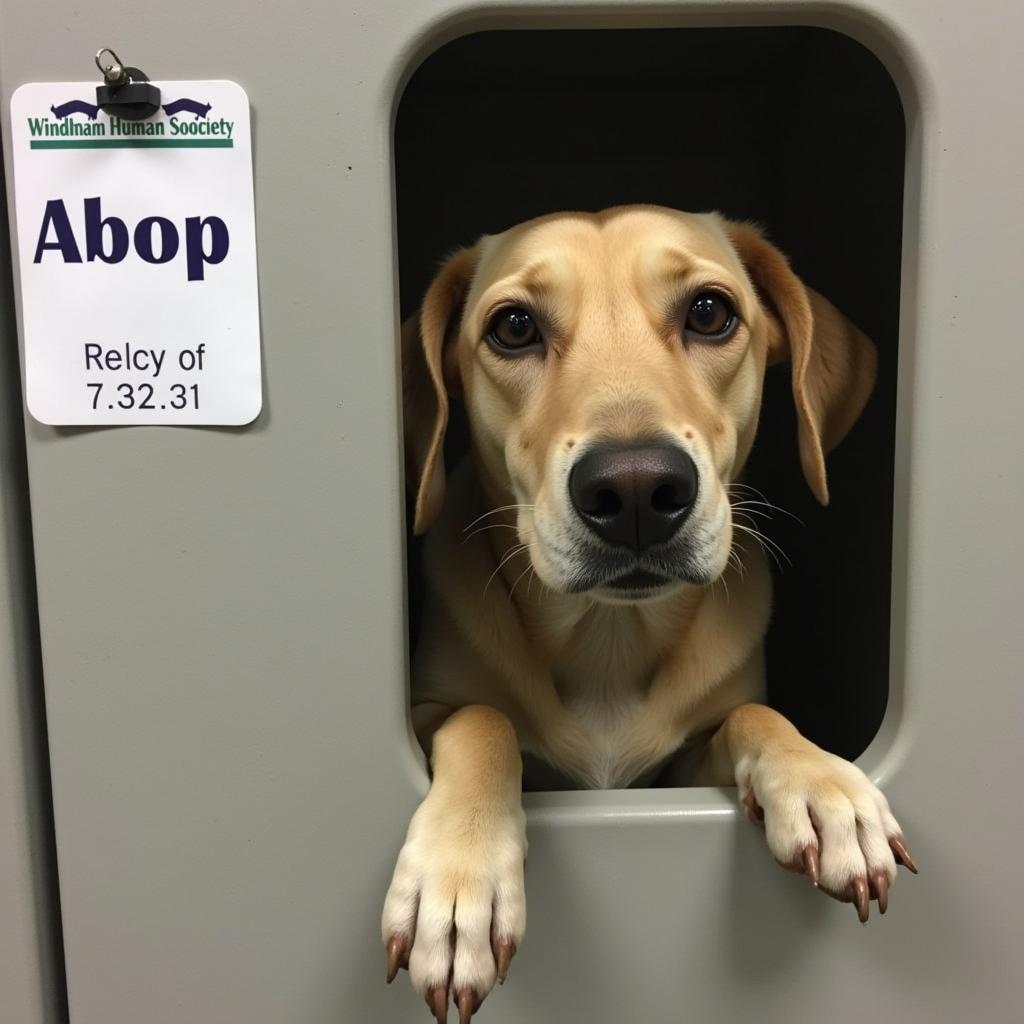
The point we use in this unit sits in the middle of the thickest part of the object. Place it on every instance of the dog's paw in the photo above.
(455, 912)
(824, 818)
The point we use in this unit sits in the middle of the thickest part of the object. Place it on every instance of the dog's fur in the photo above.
(519, 664)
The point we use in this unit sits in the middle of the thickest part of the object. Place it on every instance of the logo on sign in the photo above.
(96, 130)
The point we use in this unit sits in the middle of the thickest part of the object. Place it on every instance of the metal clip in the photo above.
(126, 92)
(113, 70)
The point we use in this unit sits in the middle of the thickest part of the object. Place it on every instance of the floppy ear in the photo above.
(833, 363)
(428, 368)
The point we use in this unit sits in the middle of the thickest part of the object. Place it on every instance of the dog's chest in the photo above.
(605, 663)
(602, 673)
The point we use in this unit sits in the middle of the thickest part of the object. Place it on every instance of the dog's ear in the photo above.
(429, 369)
(833, 363)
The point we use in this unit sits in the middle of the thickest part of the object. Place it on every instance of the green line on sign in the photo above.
(132, 143)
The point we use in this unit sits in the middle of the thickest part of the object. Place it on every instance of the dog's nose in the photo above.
(634, 496)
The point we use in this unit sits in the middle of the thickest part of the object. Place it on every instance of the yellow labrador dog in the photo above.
(575, 634)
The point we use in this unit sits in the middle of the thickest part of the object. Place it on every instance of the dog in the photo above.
(611, 367)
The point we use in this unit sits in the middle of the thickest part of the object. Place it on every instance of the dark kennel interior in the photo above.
(800, 129)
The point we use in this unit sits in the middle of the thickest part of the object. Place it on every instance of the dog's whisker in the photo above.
(763, 501)
(737, 505)
(739, 486)
(775, 544)
(736, 563)
(748, 504)
(767, 544)
(494, 526)
(741, 516)
(494, 512)
(747, 514)
(770, 552)
(512, 589)
(509, 555)
(763, 539)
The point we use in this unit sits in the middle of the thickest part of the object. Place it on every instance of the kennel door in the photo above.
(222, 610)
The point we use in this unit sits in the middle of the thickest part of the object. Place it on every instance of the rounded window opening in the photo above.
(798, 129)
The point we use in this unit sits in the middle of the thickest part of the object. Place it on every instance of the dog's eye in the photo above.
(513, 330)
(711, 316)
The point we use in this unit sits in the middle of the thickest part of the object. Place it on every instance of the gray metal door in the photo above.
(222, 616)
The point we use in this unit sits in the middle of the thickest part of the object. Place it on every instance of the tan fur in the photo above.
(596, 691)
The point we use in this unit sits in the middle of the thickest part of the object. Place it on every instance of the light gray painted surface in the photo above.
(222, 618)
(30, 979)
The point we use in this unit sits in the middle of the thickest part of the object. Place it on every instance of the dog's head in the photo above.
(611, 366)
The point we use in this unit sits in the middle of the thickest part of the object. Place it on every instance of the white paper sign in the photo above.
(137, 248)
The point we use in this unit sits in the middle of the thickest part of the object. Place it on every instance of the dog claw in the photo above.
(861, 899)
(437, 1000)
(467, 1003)
(901, 853)
(880, 887)
(504, 950)
(755, 812)
(810, 862)
(398, 956)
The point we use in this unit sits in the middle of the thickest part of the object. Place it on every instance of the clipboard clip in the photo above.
(126, 92)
